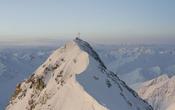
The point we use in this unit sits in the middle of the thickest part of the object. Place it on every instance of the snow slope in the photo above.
(17, 63)
(75, 78)
(159, 92)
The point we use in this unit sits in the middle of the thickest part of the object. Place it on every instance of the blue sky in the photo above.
(100, 20)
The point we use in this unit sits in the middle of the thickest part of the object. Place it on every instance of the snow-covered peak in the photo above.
(159, 92)
(85, 46)
(75, 78)
(158, 80)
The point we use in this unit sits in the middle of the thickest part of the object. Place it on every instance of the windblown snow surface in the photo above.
(75, 78)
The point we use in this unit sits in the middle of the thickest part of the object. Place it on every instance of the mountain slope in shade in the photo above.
(159, 92)
(75, 78)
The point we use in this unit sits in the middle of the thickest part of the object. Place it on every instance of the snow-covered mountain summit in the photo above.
(75, 78)
(159, 92)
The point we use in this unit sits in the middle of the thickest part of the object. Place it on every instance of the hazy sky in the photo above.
(101, 20)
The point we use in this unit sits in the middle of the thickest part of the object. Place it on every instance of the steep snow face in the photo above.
(159, 92)
(74, 78)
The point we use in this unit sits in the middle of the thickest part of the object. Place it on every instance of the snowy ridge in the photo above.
(87, 48)
(159, 92)
(15, 65)
(74, 78)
